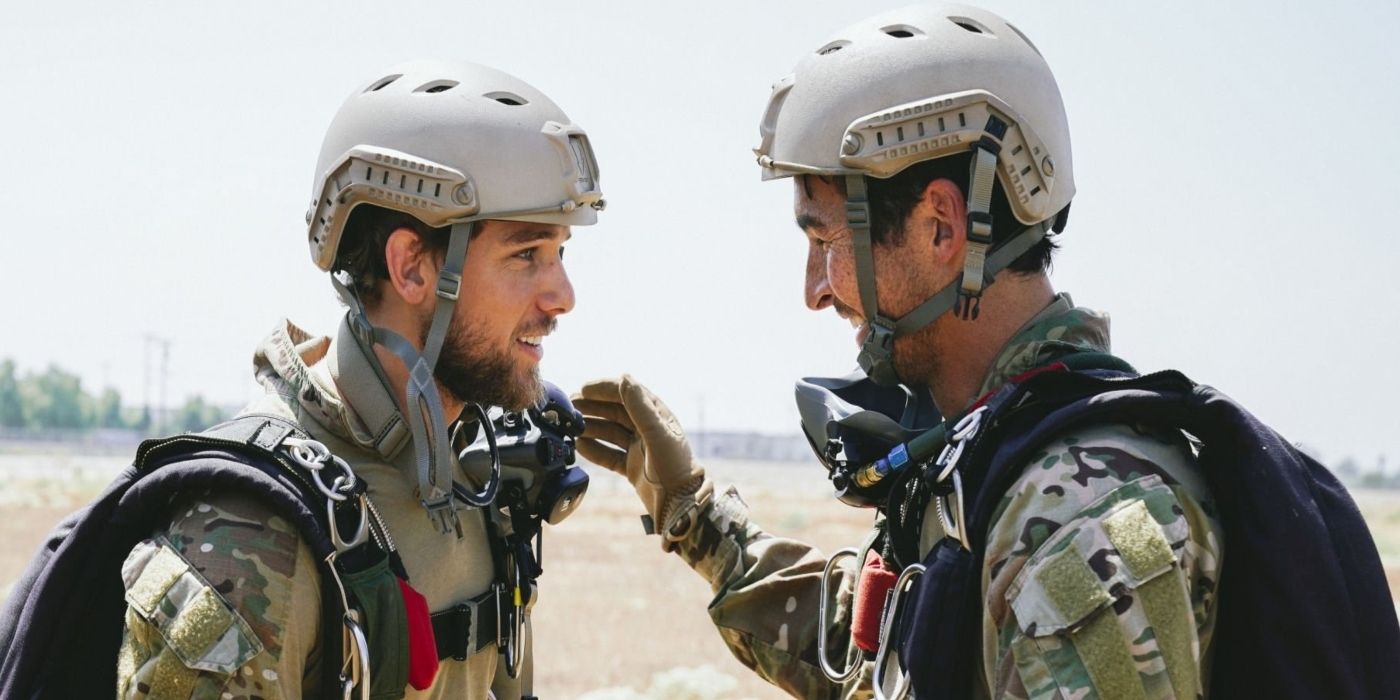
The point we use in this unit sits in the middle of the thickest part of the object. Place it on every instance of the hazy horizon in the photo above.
(1230, 209)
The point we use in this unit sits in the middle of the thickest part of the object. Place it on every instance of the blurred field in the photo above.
(617, 619)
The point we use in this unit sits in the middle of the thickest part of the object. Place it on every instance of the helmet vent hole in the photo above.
(436, 86)
(833, 47)
(962, 119)
(902, 31)
(1035, 191)
(971, 25)
(382, 83)
(507, 98)
(879, 138)
(1017, 150)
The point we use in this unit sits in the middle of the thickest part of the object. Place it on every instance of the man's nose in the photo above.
(817, 288)
(558, 296)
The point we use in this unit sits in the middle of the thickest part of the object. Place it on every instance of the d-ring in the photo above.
(887, 625)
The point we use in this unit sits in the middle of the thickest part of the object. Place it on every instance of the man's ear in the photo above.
(411, 269)
(943, 213)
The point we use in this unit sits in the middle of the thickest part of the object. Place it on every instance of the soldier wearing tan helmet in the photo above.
(441, 204)
(930, 158)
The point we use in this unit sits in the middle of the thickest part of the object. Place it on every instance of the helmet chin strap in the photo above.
(426, 418)
(981, 263)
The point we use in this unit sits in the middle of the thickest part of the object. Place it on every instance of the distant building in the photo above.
(751, 446)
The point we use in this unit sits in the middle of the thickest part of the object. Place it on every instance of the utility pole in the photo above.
(164, 345)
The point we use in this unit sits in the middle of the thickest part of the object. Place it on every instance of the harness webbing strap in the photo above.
(877, 350)
(858, 220)
(466, 628)
(433, 457)
(1000, 258)
(979, 218)
(981, 265)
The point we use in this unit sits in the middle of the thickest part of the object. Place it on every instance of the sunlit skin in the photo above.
(950, 356)
(513, 285)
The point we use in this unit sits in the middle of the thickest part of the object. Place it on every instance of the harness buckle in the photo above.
(449, 284)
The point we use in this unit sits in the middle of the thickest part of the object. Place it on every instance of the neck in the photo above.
(964, 350)
(398, 384)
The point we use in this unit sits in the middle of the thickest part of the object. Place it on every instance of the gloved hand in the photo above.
(631, 432)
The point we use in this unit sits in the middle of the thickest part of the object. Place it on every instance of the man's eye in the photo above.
(527, 254)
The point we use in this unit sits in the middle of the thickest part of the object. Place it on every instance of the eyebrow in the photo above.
(532, 235)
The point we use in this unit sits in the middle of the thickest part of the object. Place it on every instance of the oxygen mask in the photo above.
(536, 448)
(853, 424)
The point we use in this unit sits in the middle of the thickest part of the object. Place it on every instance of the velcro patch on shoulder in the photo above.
(197, 624)
(1070, 585)
(1126, 538)
(1139, 540)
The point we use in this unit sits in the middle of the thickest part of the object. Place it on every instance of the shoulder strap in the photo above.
(1330, 633)
(69, 602)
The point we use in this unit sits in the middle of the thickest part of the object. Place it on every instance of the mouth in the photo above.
(862, 328)
(531, 345)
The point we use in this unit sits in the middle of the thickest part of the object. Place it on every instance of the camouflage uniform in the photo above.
(225, 602)
(1099, 576)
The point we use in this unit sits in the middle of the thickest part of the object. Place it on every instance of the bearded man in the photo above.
(422, 163)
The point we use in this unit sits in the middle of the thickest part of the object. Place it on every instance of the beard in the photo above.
(472, 371)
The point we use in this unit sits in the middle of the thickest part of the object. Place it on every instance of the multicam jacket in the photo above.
(225, 602)
(1099, 576)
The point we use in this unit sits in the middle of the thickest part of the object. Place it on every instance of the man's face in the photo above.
(904, 276)
(513, 288)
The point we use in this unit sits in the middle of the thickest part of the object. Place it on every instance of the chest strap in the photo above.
(467, 627)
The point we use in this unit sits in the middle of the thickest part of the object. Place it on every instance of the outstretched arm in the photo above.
(766, 588)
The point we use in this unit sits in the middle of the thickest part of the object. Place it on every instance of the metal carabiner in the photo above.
(887, 625)
(361, 530)
(830, 672)
(950, 515)
(355, 670)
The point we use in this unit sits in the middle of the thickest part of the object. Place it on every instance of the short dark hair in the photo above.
(893, 199)
(361, 250)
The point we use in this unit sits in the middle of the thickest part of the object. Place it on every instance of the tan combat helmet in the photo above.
(914, 84)
(449, 143)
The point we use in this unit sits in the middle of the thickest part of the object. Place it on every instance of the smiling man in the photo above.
(931, 165)
(443, 199)
(930, 159)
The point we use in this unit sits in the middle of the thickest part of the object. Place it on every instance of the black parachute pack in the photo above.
(1303, 606)
(62, 625)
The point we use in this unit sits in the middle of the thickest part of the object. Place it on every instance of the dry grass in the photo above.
(617, 618)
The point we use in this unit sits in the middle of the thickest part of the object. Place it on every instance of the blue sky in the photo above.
(1235, 168)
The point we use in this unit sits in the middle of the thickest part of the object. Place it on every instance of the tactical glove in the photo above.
(631, 432)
